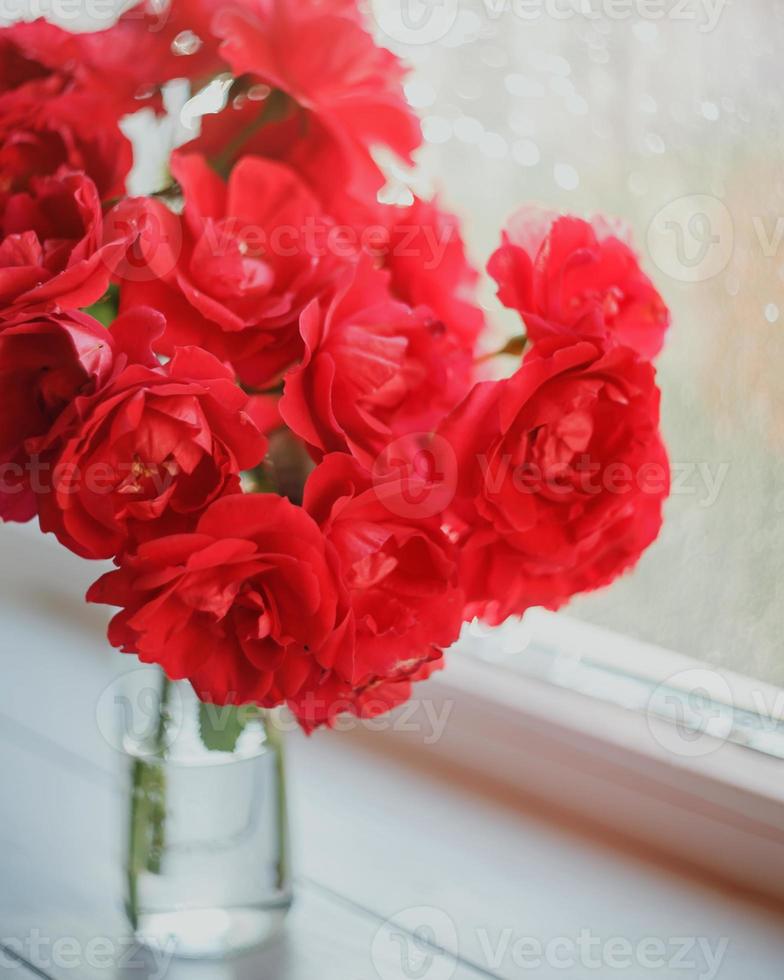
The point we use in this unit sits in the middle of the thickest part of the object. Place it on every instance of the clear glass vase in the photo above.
(208, 871)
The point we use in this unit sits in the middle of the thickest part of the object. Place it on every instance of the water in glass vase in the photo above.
(207, 857)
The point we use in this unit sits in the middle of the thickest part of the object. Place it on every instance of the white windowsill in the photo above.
(699, 798)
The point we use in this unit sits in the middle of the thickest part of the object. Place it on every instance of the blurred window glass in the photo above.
(668, 114)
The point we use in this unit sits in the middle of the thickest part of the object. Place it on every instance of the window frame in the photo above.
(719, 810)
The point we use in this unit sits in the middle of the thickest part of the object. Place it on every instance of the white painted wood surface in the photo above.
(374, 835)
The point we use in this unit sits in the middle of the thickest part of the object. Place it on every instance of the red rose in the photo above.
(153, 43)
(331, 698)
(437, 370)
(148, 452)
(248, 607)
(236, 270)
(561, 476)
(42, 132)
(373, 369)
(55, 109)
(57, 106)
(335, 93)
(389, 693)
(55, 249)
(424, 252)
(53, 61)
(566, 276)
(400, 570)
(34, 51)
(46, 361)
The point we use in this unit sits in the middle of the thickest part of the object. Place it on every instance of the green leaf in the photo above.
(221, 727)
(105, 310)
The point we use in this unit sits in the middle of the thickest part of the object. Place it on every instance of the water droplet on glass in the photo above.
(637, 183)
(493, 56)
(710, 111)
(436, 129)
(258, 93)
(648, 104)
(555, 64)
(561, 86)
(467, 28)
(186, 42)
(577, 105)
(468, 88)
(521, 123)
(526, 153)
(524, 86)
(493, 145)
(467, 129)
(566, 176)
(420, 93)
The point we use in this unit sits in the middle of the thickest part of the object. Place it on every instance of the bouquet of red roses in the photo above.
(255, 389)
